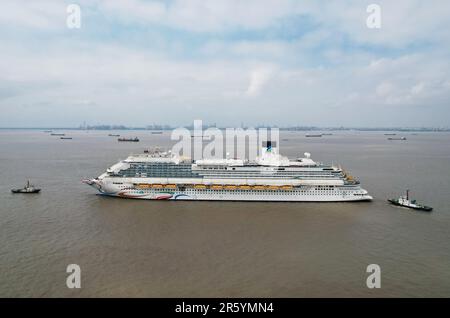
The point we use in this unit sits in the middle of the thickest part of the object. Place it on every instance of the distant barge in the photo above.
(397, 138)
(314, 135)
(135, 139)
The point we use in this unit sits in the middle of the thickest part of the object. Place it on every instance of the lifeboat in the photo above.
(259, 187)
(288, 187)
(170, 186)
(143, 186)
(217, 187)
(157, 186)
(199, 186)
(245, 187)
(230, 187)
(273, 188)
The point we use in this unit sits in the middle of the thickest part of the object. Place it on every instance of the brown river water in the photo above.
(133, 248)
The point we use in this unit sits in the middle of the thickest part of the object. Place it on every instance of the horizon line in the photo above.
(300, 128)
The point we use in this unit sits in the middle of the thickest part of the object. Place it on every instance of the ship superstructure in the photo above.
(270, 177)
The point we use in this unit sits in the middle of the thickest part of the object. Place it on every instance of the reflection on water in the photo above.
(155, 249)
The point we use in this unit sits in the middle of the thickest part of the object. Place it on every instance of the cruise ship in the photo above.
(161, 175)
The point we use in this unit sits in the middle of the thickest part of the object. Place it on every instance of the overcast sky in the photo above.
(225, 61)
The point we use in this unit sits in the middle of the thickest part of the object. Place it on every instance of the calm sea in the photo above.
(132, 248)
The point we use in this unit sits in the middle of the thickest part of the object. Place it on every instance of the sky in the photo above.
(281, 62)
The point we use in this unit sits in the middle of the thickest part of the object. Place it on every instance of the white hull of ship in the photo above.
(244, 195)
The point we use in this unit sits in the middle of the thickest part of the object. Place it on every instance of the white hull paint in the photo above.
(243, 195)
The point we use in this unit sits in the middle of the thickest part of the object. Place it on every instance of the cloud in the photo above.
(135, 11)
(418, 88)
(258, 79)
(201, 16)
(315, 62)
(384, 89)
(45, 14)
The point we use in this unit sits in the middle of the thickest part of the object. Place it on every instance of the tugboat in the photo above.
(29, 188)
(407, 203)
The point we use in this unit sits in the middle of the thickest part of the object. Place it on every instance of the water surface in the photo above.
(133, 248)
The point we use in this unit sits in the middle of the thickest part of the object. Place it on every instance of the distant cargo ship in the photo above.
(113, 135)
(135, 139)
(314, 135)
(397, 138)
(55, 134)
(270, 177)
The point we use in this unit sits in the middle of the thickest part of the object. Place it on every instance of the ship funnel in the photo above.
(269, 146)
(307, 155)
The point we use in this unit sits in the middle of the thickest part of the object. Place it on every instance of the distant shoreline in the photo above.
(375, 129)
